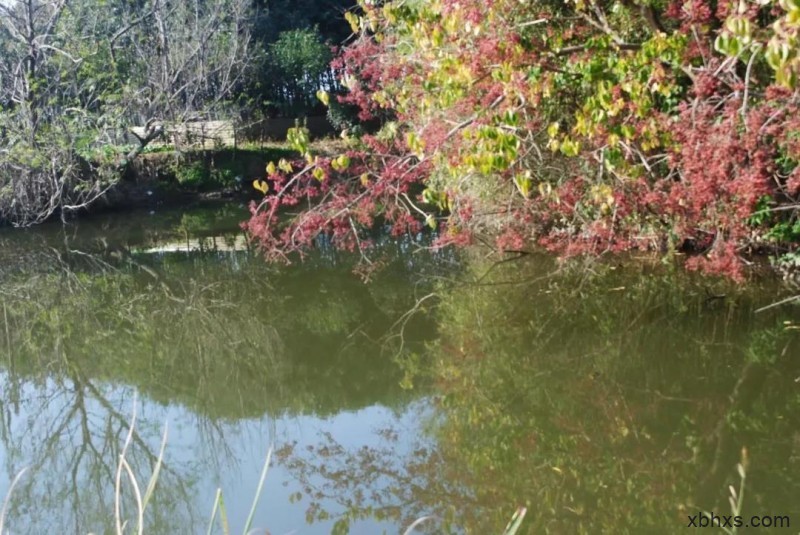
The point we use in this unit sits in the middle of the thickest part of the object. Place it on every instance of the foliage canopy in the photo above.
(586, 126)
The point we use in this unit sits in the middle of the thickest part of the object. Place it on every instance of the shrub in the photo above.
(582, 126)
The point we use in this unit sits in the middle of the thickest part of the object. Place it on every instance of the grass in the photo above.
(214, 169)
(219, 504)
(6, 501)
(141, 502)
(511, 529)
(124, 474)
(735, 498)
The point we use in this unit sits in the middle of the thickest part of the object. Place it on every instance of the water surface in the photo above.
(603, 399)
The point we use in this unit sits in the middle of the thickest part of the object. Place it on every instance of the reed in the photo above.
(511, 528)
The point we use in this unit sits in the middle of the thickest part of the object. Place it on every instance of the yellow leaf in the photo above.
(388, 13)
(341, 163)
(570, 147)
(271, 169)
(429, 196)
(353, 20)
(323, 97)
(524, 183)
(285, 166)
(261, 185)
(415, 144)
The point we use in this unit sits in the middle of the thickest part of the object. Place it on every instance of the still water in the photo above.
(604, 399)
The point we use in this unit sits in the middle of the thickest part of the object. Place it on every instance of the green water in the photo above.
(605, 400)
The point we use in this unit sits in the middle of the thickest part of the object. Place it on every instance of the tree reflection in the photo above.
(613, 403)
(69, 433)
(87, 323)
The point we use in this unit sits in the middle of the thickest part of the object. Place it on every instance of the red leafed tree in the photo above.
(583, 126)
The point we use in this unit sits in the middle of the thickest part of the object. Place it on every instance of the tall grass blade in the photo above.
(516, 521)
(137, 494)
(7, 499)
(223, 516)
(219, 507)
(151, 486)
(418, 522)
(217, 500)
(258, 492)
(118, 479)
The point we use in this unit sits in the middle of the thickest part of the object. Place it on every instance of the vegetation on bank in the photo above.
(586, 126)
(76, 78)
(165, 173)
(218, 170)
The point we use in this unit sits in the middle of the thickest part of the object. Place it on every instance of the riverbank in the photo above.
(166, 177)
(172, 178)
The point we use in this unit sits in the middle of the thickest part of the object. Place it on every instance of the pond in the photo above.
(603, 398)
